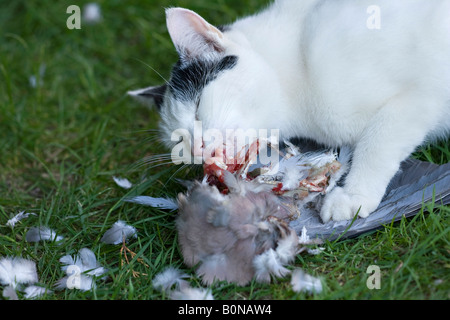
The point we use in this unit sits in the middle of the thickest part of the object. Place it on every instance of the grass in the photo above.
(62, 141)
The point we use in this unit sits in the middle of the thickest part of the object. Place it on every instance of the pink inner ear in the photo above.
(189, 31)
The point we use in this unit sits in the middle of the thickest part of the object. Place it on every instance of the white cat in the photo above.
(372, 74)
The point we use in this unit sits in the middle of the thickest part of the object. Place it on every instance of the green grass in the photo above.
(62, 142)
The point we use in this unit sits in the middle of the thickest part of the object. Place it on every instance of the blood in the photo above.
(278, 189)
(236, 165)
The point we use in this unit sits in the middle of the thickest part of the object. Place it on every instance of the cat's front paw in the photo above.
(339, 205)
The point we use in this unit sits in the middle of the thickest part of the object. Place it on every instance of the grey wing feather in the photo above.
(416, 183)
(161, 203)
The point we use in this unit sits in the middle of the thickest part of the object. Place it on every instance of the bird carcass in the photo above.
(235, 224)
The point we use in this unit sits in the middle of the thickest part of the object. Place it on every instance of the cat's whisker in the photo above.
(159, 165)
(158, 73)
(151, 160)
(154, 140)
(184, 166)
(156, 158)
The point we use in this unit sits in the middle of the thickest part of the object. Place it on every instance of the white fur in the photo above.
(312, 68)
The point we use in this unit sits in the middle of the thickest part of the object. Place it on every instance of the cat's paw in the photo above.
(340, 205)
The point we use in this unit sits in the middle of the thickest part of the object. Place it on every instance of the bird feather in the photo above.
(303, 282)
(17, 270)
(36, 234)
(119, 232)
(161, 203)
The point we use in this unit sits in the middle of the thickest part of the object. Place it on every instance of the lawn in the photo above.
(67, 127)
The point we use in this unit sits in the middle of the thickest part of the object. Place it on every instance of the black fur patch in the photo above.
(157, 94)
(189, 79)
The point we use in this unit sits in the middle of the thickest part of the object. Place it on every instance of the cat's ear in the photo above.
(150, 96)
(193, 36)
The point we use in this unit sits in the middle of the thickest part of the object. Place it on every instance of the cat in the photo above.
(370, 74)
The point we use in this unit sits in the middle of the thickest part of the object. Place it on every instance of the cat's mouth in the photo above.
(219, 162)
(311, 172)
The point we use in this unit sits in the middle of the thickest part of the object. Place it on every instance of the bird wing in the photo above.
(416, 183)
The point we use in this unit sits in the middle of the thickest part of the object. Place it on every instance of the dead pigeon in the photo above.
(237, 236)
(242, 228)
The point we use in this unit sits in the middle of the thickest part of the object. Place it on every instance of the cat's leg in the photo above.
(392, 135)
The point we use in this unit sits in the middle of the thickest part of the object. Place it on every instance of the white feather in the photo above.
(21, 215)
(287, 248)
(81, 269)
(89, 263)
(17, 270)
(315, 251)
(122, 182)
(36, 234)
(81, 282)
(33, 292)
(171, 281)
(10, 293)
(267, 264)
(169, 278)
(304, 238)
(293, 174)
(161, 203)
(118, 232)
(92, 13)
(189, 293)
(67, 261)
(304, 282)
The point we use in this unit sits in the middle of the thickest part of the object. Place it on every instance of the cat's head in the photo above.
(219, 83)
